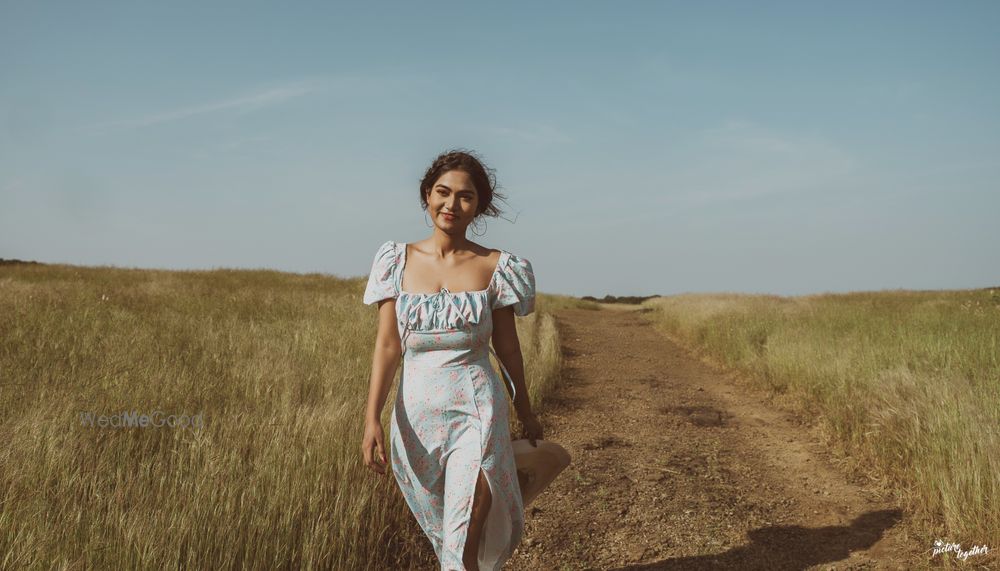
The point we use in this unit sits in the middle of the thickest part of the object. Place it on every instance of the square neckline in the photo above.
(402, 265)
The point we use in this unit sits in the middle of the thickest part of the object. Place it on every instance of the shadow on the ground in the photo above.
(784, 548)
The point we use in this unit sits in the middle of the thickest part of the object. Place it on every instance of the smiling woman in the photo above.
(451, 451)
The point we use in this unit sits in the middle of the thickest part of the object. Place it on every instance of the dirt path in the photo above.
(676, 467)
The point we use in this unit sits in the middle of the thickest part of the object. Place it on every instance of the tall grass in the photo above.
(278, 365)
(906, 383)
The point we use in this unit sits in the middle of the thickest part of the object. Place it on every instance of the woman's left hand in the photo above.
(532, 429)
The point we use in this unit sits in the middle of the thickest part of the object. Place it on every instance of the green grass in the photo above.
(906, 384)
(279, 366)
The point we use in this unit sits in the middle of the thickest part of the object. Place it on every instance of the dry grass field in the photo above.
(254, 383)
(275, 366)
(906, 386)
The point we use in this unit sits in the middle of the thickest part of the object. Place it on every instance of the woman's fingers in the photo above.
(375, 464)
(381, 454)
(379, 460)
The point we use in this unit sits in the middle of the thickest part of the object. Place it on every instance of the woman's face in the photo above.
(452, 201)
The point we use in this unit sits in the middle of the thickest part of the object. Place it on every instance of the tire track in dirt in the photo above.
(676, 467)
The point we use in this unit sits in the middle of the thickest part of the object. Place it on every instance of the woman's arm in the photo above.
(508, 349)
(385, 359)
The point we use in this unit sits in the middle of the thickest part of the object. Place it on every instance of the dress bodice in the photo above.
(448, 328)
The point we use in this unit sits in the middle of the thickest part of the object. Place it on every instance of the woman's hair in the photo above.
(482, 177)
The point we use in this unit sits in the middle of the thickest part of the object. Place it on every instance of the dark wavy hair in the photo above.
(483, 177)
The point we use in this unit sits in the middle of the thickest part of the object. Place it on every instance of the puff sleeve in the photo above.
(382, 279)
(515, 285)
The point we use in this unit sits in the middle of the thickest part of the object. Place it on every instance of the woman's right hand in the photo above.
(373, 447)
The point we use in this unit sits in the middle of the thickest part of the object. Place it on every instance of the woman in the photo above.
(440, 302)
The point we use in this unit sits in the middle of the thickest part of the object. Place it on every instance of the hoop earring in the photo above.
(427, 221)
(476, 221)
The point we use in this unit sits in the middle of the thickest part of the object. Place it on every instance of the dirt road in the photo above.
(675, 466)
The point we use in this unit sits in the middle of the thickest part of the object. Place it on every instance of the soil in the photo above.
(677, 465)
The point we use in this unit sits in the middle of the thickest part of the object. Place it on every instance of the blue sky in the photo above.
(645, 147)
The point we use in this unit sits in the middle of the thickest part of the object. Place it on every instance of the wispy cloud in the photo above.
(539, 133)
(238, 143)
(212, 150)
(735, 163)
(243, 103)
(744, 160)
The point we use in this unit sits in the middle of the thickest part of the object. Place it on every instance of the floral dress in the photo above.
(451, 415)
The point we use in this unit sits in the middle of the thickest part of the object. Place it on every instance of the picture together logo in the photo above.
(135, 419)
(943, 547)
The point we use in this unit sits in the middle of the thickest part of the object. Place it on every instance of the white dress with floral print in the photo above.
(451, 414)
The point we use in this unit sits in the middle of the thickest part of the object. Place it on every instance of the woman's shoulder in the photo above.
(486, 251)
(509, 259)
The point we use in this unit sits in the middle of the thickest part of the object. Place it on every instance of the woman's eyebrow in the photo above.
(445, 186)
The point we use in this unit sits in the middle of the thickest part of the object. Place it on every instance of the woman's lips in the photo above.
(448, 216)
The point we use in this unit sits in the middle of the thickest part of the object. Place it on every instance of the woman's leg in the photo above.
(480, 509)
(467, 501)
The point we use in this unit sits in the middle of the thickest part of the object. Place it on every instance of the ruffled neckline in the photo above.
(443, 309)
(444, 291)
